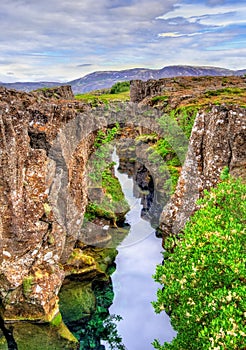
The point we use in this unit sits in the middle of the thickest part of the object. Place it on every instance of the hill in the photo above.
(105, 79)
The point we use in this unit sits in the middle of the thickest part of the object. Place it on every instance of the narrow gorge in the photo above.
(48, 138)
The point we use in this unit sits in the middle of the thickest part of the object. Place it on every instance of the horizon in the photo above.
(121, 70)
(63, 41)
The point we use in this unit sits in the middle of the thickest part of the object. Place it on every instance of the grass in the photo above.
(229, 96)
(96, 99)
(225, 91)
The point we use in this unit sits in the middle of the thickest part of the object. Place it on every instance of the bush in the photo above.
(204, 278)
(120, 87)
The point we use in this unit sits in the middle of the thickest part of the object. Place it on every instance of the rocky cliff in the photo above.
(46, 140)
(218, 140)
(218, 136)
(180, 90)
(36, 231)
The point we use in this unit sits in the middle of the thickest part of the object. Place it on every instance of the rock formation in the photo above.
(218, 140)
(34, 238)
(46, 140)
(181, 88)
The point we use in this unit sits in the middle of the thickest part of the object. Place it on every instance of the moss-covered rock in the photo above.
(77, 300)
(43, 336)
(3, 342)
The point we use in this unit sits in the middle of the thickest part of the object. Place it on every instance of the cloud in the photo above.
(178, 35)
(205, 15)
(85, 65)
(48, 39)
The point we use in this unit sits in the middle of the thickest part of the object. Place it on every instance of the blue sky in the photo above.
(61, 40)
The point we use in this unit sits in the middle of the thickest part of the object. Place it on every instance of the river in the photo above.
(134, 288)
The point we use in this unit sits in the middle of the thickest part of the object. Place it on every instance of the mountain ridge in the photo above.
(105, 79)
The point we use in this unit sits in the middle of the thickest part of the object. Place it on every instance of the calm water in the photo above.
(133, 285)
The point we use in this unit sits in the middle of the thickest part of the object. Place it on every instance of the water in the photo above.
(133, 285)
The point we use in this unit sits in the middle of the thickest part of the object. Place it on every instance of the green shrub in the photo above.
(120, 87)
(107, 136)
(185, 117)
(203, 279)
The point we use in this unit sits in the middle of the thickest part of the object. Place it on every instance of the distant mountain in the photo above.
(29, 86)
(105, 79)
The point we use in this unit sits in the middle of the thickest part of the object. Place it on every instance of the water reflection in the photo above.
(134, 287)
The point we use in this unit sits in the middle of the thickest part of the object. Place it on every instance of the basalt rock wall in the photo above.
(218, 140)
(46, 140)
(41, 178)
(181, 88)
(45, 144)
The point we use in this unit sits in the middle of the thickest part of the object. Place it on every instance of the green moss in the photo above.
(158, 99)
(112, 205)
(106, 98)
(56, 320)
(185, 117)
(47, 209)
(146, 138)
(3, 342)
(94, 210)
(27, 285)
(77, 300)
(225, 91)
(44, 336)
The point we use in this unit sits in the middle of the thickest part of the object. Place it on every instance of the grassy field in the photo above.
(96, 97)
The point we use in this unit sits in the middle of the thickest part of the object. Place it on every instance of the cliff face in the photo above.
(218, 137)
(36, 233)
(180, 91)
(218, 140)
(46, 140)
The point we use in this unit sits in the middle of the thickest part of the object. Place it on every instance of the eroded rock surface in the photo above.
(33, 238)
(181, 89)
(44, 147)
(45, 144)
(218, 140)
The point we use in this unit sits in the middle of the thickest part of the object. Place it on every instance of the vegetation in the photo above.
(157, 99)
(27, 285)
(102, 175)
(118, 92)
(172, 147)
(57, 320)
(120, 87)
(203, 279)
(185, 117)
(104, 137)
(101, 325)
(225, 91)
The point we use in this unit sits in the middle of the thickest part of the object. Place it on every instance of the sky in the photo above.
(62, 40)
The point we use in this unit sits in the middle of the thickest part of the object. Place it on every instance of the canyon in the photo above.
(47, 139)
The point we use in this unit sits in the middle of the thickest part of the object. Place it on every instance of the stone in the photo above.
(218, 140)
(46, 141)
